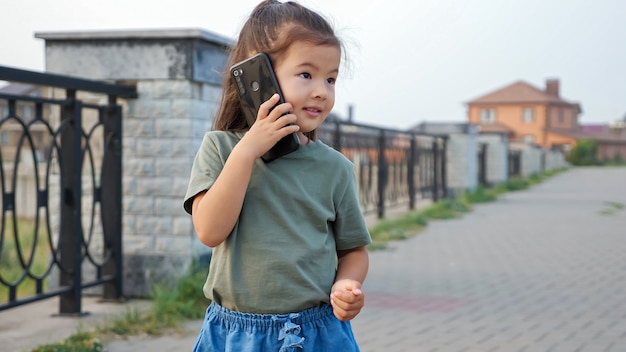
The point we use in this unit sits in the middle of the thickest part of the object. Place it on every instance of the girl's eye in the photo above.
(331, 80)
(305, 75)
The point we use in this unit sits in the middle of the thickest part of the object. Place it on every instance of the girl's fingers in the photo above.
(265, 108)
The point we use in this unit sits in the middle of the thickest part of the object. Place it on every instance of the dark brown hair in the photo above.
(271, 28)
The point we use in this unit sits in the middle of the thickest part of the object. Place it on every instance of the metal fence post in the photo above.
(111, 200)
(71, 236)
(436, 165)
(382, 174)
(411, 172)
(482, 164)
(444, 160)
(337, 137)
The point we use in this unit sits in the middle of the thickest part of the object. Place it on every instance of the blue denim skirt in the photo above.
(312, 330)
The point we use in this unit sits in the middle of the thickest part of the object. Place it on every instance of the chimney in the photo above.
(552, 87)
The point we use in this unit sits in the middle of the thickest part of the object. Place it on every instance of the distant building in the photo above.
(593, 128)
(610, 139)
(528, 114)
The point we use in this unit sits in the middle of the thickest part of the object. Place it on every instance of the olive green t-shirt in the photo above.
(298, 211)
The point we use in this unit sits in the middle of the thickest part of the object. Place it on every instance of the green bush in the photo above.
(584, 153)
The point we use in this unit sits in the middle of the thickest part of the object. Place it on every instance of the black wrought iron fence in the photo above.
(515, 163)
(393, 167)
(482, 164)
(61, 184)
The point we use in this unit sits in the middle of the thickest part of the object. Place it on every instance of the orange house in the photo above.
(528, 114)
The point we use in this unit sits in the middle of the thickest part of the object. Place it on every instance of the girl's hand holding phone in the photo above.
(273, 123)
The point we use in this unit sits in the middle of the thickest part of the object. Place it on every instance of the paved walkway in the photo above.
(538, 270)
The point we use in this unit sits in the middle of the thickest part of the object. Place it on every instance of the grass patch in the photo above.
(398, 229)
(171, 304)
(447, 209)
(614, 205)
(412, 223)
(133, 322)
(82, 341)
(11, 267)
(482, 195)
(185, 301)
(516, 184)
(611, 208)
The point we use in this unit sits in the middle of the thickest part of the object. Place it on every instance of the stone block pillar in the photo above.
(178, 74)
(497, 156)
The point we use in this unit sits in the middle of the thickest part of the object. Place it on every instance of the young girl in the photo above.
(289, 238)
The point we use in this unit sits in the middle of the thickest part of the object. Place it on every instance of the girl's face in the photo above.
(307, 75)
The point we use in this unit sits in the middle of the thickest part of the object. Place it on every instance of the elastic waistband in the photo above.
(269, 321)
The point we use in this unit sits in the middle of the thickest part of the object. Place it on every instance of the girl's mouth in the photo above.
(313, 111)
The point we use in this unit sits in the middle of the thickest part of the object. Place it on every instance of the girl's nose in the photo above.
(321, 91)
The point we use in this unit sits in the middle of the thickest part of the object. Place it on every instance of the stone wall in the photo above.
(530, 158)
(178, 75)
(535, 160)
(554, 159)
(461, 155)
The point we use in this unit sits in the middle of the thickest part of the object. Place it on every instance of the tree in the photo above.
(584, 153)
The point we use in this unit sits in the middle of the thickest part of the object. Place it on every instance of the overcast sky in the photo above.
(410, 61)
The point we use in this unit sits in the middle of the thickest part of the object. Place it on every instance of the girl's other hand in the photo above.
(269, 128)
(347, 299)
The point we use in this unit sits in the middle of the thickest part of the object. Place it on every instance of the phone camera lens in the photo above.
(237, 72)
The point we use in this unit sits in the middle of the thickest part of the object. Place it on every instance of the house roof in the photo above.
(593, 128)
(604, 137)
(17, 89)
(494, 128)
(442, 127)
(519, 92)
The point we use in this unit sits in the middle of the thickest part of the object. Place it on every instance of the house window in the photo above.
(27, 113)
(528, 115)
(529, 139)
(4, 137)
(488, 115)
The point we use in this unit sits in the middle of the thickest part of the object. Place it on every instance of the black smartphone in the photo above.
(256, 82)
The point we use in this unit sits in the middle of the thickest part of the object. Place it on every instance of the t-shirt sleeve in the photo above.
(206, 166)
(349, 226)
